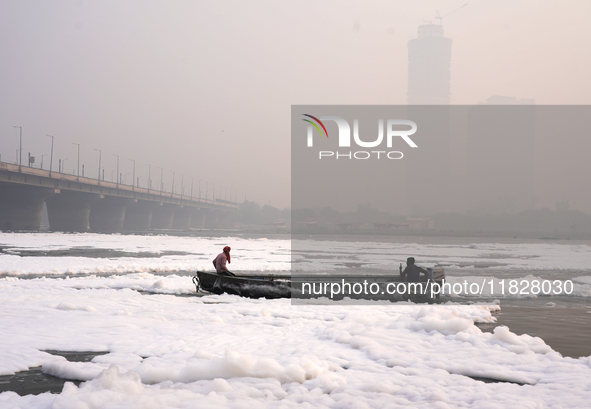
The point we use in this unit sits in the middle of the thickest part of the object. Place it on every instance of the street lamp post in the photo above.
(78, 171)
(20, 150)
(133, 180)
(172, 189)
(117, 170)
(51, 157)
(149, 177)
(98, 175)
(161, 174)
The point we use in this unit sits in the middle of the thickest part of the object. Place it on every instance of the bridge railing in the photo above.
(4, 166)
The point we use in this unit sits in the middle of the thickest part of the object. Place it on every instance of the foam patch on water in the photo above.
(166, 351)
(263, 255)
(194, 368)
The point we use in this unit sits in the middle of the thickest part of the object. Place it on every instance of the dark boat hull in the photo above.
(280, 287)
(251, 287)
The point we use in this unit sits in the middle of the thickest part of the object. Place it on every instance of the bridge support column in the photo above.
(163, 216)
(107, 214)
(198, 218)
(182, 218)
(138, 216)
(70, 211)
(212, 219)
(225, 220)
(21, 206)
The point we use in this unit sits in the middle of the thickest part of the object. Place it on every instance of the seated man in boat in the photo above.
(412, 272)
(220, 262)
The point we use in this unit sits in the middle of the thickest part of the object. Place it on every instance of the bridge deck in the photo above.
(23, 175)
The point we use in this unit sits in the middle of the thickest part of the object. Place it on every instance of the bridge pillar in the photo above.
(70, 211)
(182, 218)
(212, 219)
(138, 215)
(21, 206)
(107, 214)
(198, 218)
(163, 216)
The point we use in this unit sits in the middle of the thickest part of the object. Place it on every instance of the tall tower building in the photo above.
(429, 61)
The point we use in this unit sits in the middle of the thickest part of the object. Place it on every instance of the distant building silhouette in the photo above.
(429, 61)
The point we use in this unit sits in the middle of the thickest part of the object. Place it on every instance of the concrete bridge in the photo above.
(77, 204)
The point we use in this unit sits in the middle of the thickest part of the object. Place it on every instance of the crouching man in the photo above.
(220, 262)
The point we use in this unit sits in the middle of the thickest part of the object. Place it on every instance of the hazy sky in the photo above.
(204, 88)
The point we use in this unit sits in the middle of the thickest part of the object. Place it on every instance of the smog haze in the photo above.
(204, 89)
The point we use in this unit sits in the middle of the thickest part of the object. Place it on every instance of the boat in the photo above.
(245, 286)
(317, 286)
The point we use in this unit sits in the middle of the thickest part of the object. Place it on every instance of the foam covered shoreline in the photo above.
(225, 351)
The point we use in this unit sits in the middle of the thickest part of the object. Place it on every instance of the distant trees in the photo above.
(537, 220)
(253, 213)
(562, 205)
(532, 220)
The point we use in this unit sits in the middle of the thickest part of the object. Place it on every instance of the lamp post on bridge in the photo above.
(20, 150)
(98, 175)
(117, 170)
(149, 177)
(161, 174)
(172, 189)
(51, 157)
(182, 188)
(78, 171)
(133, 180)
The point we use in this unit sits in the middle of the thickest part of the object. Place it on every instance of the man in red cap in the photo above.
(220, 262)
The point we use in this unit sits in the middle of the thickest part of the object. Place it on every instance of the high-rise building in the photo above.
(429, 61)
